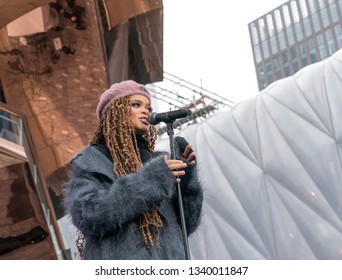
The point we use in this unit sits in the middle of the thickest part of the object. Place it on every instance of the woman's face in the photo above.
(140, 109)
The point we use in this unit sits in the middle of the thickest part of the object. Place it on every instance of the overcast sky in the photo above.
(208, 42)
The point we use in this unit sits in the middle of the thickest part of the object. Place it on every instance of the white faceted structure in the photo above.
(272, 170)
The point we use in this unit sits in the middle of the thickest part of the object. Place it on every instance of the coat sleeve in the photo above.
(99, 205)
(191, 189)
(192, 197)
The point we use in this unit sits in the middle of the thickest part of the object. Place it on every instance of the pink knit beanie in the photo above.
(118, 90)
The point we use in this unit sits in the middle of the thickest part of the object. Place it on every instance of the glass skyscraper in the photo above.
(295, 34)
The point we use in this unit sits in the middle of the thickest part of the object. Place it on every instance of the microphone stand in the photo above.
(170, 132)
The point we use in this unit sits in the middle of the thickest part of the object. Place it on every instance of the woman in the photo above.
(121, 194)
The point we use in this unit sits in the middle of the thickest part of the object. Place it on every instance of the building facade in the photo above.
(294, 35)
(51, 78)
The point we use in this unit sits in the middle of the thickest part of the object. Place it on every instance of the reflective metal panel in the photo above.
(119, 11)
(134, 49)
(12, 9)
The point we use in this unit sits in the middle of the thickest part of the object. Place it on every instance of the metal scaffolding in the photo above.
(181, 94)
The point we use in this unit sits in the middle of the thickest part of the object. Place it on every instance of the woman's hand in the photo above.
(189, 155)
(174, 165)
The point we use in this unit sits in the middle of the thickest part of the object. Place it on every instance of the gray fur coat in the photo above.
(106, 209)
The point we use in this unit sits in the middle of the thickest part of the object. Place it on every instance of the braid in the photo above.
(150, 223)
(80, 244)
(97, 136)
(117, 131)
(151, 138)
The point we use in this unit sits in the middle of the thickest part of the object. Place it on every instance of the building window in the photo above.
(281, 38)
(330, 41)
(254, 32)
(290, 36)
(312, 6)
(333, 12)
(298, 30)
(325, 17)
(277, 67)
(294, 59)
(316, 23)
(262, 29)
(321, 46)
(261, 77)
(302, 54)
(307, 27)
(303, 8)
(286, 14)
(319, 39)
(321, 4)
(260, 72)
(312, 50)
(257, 54)
(269, 72)
(294, 9)
(340, 3)
(265, 49)
(310, 44)
(274, 47)
(287, 71)
(285, 58)
(270, 25)
(278, 21)
(286, 63)
(338, 32)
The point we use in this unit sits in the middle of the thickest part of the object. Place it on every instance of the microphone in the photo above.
(168, 117)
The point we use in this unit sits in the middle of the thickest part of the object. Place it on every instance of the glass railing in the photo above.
(11, 127)
(14, 128)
